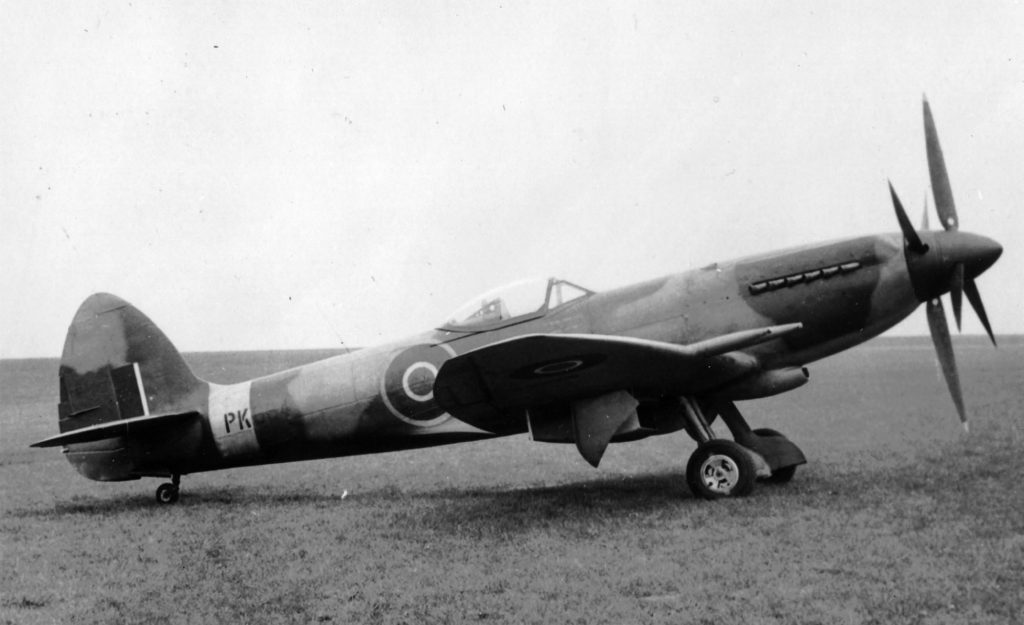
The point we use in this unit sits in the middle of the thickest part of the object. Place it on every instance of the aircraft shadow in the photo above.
(125, 504)
(573, 506)
(650, 489)
(89, 506)
(501, 507)
(523, 508)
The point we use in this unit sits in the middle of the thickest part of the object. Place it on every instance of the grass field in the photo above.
(898, 518)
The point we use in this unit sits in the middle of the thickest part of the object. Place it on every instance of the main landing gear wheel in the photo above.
(778, 476)
(720, 468)
(168, 492)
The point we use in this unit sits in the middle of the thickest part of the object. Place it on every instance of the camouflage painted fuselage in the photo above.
(379, 399)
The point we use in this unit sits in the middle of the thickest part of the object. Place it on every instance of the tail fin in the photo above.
(118, 365)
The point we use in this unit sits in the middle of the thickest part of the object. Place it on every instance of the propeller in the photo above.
(937, 172)
(946, 208)
(911, 239)
(944, 349)
(945, 262)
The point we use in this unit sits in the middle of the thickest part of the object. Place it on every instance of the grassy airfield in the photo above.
(898, 518)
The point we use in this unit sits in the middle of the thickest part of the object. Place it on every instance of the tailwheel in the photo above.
(168, 492)
(720, 468)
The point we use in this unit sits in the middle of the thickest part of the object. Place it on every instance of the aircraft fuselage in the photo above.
(381, 398)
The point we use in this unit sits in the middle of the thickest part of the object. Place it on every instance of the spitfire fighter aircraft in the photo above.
(551, 358)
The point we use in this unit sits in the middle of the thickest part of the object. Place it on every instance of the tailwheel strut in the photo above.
(168, 492)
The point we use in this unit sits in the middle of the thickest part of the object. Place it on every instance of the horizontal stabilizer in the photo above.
(113, 429)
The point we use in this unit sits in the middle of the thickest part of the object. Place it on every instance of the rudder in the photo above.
(118, 365)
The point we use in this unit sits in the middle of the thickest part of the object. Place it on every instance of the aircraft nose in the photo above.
(976, 252)
(932, 271)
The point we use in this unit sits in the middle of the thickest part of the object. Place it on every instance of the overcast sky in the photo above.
(289, 175)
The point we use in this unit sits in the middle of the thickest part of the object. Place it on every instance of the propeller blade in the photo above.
(956, 292)
(944, 350)
(974, 297)
(924, 216)
(937, 171)
(914, 242)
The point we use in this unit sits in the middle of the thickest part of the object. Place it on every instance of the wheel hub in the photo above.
(719, 473)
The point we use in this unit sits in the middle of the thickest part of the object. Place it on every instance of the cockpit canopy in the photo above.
(518, 301)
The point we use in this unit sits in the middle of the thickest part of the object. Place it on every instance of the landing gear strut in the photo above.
(168, 492)
(723, 468)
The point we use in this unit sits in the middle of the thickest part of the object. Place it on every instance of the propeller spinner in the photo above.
(948, 261)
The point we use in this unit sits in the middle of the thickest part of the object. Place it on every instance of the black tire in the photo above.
(720, 468)
(768, 432)
(167, 493)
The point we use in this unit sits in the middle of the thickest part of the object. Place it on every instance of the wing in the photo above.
(492, 386)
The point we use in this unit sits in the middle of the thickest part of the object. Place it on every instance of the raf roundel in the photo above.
(562, 366)
(572, 364)
(408, 384)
